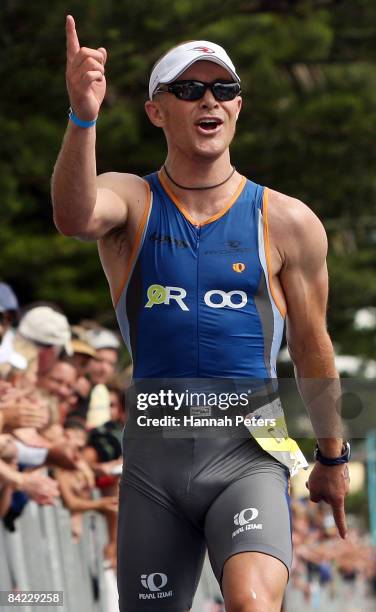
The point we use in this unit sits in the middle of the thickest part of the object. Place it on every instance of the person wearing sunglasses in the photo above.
(204, 268)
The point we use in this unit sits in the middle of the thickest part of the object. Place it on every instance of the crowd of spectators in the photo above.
(62, 412)
(325, 567)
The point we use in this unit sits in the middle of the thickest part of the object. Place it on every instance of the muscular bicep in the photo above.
(115, 194)
(304, 278)
(110, 209)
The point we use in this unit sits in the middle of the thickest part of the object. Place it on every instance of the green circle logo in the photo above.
(156, 295)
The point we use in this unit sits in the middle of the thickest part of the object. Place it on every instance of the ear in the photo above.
(155, 113)
(240, 104)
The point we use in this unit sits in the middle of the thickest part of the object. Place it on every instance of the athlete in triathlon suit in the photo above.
(203, 272)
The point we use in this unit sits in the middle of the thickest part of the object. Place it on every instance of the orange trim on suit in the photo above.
(186, 214)
(136, 244)
(281, 308)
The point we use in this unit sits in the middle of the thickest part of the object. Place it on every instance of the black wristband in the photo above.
(344, 458)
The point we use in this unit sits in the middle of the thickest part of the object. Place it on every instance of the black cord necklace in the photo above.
(199, 188)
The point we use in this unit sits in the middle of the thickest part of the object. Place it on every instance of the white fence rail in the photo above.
(41, 555)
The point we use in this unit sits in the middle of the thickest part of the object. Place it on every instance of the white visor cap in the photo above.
(181, 57)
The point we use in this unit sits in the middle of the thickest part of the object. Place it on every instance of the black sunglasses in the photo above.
(195, 90)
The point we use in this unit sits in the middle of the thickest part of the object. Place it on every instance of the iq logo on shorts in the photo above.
(154, 583)
(157, 294)
(245, 519)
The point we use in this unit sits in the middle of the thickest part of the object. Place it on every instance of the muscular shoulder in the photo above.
(115, 246)
(131, 190)
(295, 229)
(129, 187)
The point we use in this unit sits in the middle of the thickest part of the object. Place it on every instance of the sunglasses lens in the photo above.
(226, 91)
(191, 90)
(195, 90)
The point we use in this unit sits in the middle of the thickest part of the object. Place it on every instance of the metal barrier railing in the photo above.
(41, 555)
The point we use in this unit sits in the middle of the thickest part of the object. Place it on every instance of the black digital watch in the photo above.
(344, 458)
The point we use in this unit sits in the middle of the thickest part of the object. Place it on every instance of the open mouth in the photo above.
(209, 125)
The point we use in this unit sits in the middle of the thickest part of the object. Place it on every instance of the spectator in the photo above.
(104, 448)
(83, 355)
(19, 408)
(118, 408)
(76, 486)
(8, 315)
(8, 453)
(104, 454)
(49, 331)
(60, 381)
(26, 376)
(100, 371)
(107, 347)
(36, 485)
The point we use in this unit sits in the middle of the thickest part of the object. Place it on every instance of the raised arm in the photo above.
(84, 205)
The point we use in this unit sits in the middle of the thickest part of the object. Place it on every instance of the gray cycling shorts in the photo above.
(181, 496)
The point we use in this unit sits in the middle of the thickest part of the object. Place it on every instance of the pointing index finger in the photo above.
(340, 519)
(73, 44)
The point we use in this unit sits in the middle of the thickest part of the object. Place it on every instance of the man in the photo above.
(99, 372)
(16, 411)
(60, 381)
(46, 330)
(106, 345)
(210, 273)
(83, 354)
(9, 309)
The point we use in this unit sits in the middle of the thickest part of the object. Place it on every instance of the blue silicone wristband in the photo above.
(80, 122)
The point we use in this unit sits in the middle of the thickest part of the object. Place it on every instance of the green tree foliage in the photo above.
(307, 128)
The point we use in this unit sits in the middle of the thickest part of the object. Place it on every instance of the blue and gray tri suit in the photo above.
(197, 303)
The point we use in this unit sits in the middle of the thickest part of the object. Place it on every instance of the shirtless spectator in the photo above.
(76, 486)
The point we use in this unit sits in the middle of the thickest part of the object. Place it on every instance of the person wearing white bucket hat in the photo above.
(49, 331)
(46, 326)
(203, 274)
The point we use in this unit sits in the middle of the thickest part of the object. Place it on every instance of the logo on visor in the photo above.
(203, 49)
